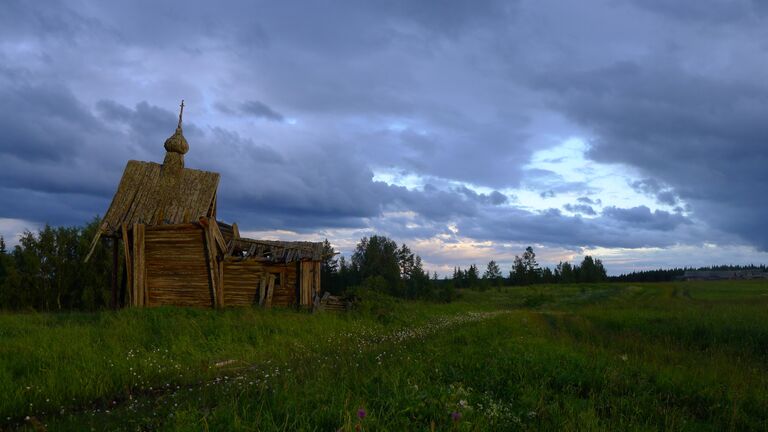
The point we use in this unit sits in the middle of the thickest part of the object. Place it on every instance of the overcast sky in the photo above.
(636, 131)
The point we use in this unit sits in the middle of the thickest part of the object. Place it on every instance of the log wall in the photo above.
(177, 271)
(242, 279)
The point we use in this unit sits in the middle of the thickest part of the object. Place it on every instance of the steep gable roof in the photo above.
(149, 193)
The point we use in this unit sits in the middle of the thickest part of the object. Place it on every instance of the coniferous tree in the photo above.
(459, 278)
(493, 274)
(531, 266)
(377, 256)
(518, 274)
(565, 272)
(472, 277)
(405, 259)
(329, 269)
(547, 276)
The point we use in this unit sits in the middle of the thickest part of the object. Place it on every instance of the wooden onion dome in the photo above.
(176, 147)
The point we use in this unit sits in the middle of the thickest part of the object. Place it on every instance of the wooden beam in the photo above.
(173, 227)
(115, 253)
(218, 267)
(121, 295)
(270, 291)
(297, 288)
(213, 268)
(202, 220)
(128, 266)
(262, 289)
(305, 284)
(94, 242)
(221, 283)
(212, 208)
(139, 270)
(214, 226)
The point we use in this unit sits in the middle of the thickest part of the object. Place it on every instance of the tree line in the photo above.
(380, 264)
(668, 275)
(46, 272)
(526, 271)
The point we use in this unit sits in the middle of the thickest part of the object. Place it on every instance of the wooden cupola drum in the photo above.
(175, 252)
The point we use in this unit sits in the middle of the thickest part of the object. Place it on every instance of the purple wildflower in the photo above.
(361, 413)
(456, 416)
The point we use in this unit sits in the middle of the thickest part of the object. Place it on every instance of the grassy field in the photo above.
(672, 356)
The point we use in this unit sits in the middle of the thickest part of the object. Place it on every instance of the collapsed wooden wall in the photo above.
(182, 265)
(242, 280)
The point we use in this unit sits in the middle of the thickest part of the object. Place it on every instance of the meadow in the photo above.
(688, 356)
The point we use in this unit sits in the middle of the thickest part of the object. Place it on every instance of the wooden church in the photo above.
(177, 253)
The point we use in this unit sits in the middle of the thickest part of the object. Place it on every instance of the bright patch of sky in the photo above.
(560, 175)
(619, 260)
(12, 229)
(553, 178)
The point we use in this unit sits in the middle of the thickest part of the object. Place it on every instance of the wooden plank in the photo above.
(221, 283)
(139, 286)
(212, 209)
(215, 265)
(262, 289)
(128, 266)
(173, 227)
(94, 242)
(304, 285)
(214, 226)
(310, 281)
(115, 263)
(317, 271)
(211, 263)
(270, 291)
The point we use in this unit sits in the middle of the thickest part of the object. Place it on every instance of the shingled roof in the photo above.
(149, 193)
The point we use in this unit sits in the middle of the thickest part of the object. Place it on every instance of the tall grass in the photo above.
(676, 356)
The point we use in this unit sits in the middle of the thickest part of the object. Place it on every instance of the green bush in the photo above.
(373, 299)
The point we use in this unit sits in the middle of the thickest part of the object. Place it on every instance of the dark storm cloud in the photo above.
(493, 198)
(42, 122)
(643, 217)
(259, 109)
(147, 125)
(51, 20)
(451, 92)
(252, 108)
(55, 208)
(704, 137)
(625, 228)
(653, 188)
(710, 11)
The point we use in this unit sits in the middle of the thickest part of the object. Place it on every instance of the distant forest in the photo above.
(46, 272)
(665, 275)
